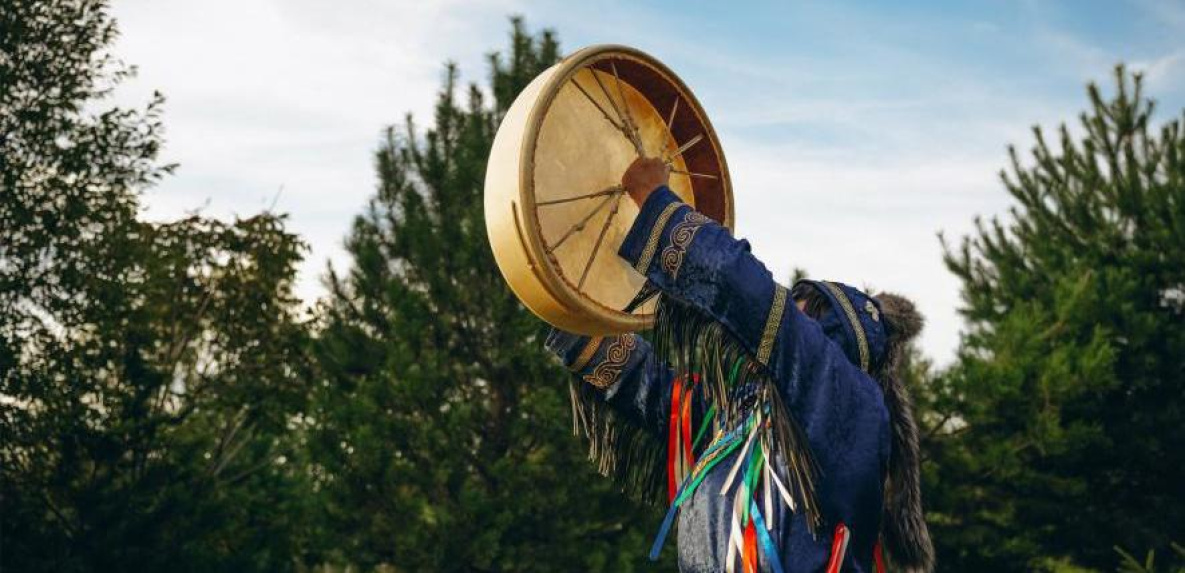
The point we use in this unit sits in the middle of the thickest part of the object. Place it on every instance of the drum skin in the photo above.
(555, 146)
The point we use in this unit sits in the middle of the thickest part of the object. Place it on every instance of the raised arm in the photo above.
(697, 261)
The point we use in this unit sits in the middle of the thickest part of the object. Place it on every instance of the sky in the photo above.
(855, 132)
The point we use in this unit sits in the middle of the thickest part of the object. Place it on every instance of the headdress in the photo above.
(854, 322)
(873, 332)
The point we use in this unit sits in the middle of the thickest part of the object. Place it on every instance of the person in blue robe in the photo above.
(773, 418)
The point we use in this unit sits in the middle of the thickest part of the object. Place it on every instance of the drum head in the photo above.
(555, 211)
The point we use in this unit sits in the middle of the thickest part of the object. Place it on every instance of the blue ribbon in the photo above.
(693, 479)
(767, 544)
(661, 538)
(729, 440)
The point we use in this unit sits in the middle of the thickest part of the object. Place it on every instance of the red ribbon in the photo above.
(687, 421)
(673, 439)
(749, 557)
(839, 546)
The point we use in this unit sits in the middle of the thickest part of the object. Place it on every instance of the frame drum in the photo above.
(555, 211)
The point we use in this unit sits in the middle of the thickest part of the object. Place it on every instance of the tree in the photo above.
(1069, 379)
(442, 434)
(148, 372)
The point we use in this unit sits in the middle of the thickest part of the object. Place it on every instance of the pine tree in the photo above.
(147, 371)
(443, 437)
(1070, 378)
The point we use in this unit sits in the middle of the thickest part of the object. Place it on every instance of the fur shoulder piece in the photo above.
(905, 535)
(902, 316)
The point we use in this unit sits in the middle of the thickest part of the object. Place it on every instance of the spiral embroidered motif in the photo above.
(681, 236)
(616, 355)
(643, 264)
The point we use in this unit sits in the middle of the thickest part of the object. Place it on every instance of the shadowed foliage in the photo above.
(147, 371)
(443, 429)
(1067, 433)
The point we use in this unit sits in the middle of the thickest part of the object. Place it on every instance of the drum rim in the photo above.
(554, 280)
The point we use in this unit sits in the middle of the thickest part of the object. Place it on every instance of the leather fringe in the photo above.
(620, 449)
(736, 384)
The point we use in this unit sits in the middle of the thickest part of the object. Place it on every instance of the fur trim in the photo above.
(902, 316)
(906, 537)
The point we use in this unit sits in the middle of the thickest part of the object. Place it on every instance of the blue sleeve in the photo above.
(624, 369)
(697, 261)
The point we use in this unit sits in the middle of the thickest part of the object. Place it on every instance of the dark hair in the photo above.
(903, 526)
(816, 304)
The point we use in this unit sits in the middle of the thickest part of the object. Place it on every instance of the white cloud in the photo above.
(1164, 73)
(865, 221)
(846, 161)
(272, 95)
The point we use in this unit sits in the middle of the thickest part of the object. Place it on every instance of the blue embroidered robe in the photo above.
(841, 409)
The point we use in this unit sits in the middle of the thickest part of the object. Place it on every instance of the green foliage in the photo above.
(147, 371)
(1130, 564)
(1067, 399)
(161, 407)
(442, 433)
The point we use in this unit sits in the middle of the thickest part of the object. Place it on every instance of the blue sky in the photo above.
(855, 131)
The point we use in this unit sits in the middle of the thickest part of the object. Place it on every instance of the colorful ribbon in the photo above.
(839, 547)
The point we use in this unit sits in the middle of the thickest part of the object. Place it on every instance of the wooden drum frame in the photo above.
(553, 199)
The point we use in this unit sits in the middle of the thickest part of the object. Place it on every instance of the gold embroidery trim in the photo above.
(681, 236)
(848, 309)
(586, 354)
(616, 355)
(656, 234)
(772, 324)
